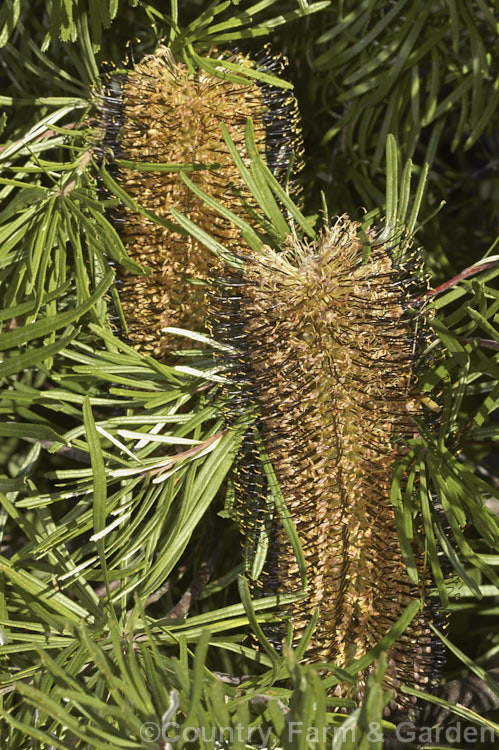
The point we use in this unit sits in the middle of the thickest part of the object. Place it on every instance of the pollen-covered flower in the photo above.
(324, 354)
(162, 112)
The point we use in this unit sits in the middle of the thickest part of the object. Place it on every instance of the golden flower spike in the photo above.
(324, 353)
(160, 112)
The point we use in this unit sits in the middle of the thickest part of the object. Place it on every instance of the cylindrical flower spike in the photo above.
(159, 112)
(324, 354)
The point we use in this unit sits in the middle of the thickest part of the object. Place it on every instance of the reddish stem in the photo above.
(470, 271)
(185, 454)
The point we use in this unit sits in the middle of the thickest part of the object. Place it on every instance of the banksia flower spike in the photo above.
(161, 112)
(324, 352)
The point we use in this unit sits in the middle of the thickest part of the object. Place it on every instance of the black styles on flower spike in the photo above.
(161, 112)
(323, 357)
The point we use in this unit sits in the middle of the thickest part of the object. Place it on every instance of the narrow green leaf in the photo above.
(456, 709)
(391, 183)
(40, 590)
(33, 431)
(117, 190)
(99, 482)
(403, 517)
(259, 164)
(285, 515)
(203, 237)
(418, 199)
(248, 232)
(35, 356)
(248, 608)
(388, 640)
(26, 333)
(197, 678)
(430, 536)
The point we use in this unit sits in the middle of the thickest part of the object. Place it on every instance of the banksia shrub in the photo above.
(325, 354)
(126, 616)
(161, 112)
